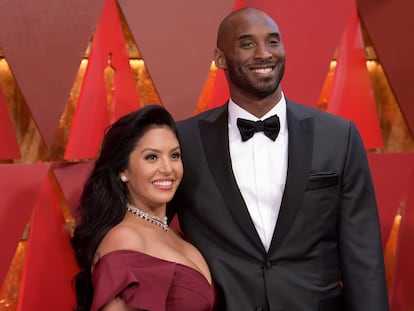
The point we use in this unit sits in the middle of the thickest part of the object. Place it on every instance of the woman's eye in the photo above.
(176, 155)
(151, 157)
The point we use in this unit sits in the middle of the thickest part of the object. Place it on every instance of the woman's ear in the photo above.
(123, 177)
(219, 59)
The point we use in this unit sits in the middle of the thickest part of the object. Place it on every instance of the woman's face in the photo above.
(155, 169)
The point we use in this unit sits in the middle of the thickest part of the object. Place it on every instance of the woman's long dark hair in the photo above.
(104, 197)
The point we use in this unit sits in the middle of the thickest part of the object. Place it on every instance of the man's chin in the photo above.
(266, 90)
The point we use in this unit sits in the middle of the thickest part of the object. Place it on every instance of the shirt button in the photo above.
(268, 264)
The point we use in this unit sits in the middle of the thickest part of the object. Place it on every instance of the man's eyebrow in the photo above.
(274, 34)
(249, 36)
(244, 36)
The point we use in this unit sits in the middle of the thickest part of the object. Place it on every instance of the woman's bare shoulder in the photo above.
(121, 237)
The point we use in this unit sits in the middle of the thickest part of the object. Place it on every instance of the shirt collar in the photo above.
(236, 111)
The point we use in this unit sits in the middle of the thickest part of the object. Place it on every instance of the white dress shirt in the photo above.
(260, 168)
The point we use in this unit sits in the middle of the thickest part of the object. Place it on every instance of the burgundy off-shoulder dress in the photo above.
(149, 283)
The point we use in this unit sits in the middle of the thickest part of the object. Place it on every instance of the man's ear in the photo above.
(219, 59)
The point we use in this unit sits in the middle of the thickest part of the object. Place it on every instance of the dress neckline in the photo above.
(126, 251)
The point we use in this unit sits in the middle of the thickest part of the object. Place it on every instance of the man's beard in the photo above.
(258, 90)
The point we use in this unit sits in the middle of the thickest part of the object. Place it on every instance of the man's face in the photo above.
(253, 53)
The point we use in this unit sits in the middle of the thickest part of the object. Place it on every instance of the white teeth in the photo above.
(165, 183)
(263, 70)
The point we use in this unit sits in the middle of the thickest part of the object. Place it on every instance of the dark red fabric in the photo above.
(150, 283)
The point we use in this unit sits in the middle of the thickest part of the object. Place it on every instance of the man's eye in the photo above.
(247, 44)
(274, 42)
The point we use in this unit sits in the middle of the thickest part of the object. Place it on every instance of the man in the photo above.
(288, 222)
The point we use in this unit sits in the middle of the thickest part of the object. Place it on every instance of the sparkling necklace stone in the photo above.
(162, 222)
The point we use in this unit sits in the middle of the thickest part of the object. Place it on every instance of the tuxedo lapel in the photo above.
(301, 130)
(214, 136)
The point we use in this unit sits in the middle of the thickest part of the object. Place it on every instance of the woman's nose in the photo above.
(165, 166)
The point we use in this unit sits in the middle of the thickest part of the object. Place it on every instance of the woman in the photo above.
(129, 258)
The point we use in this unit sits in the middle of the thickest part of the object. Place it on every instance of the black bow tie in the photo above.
(270, 127)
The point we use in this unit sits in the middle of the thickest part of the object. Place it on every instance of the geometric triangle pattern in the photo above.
(48, 235)
(220, 92)
(45, 72)
(391, 174)
(20, 186)
(178, 58)
(311, 32)
(108, 55)
(393, 49)
(351, 95)
(71, 178)
(44, 43)
(401, 292)
(9, 147)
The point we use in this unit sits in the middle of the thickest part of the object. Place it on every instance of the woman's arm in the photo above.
(118, 304)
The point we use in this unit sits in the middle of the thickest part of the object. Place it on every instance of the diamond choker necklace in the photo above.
(162, 222)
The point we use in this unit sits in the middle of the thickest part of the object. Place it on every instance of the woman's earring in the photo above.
(123, 178)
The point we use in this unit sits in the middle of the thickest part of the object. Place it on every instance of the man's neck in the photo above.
(257, 106)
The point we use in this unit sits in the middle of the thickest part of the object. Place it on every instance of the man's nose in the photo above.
(263, 52)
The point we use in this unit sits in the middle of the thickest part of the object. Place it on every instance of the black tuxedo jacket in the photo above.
(326, 251)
